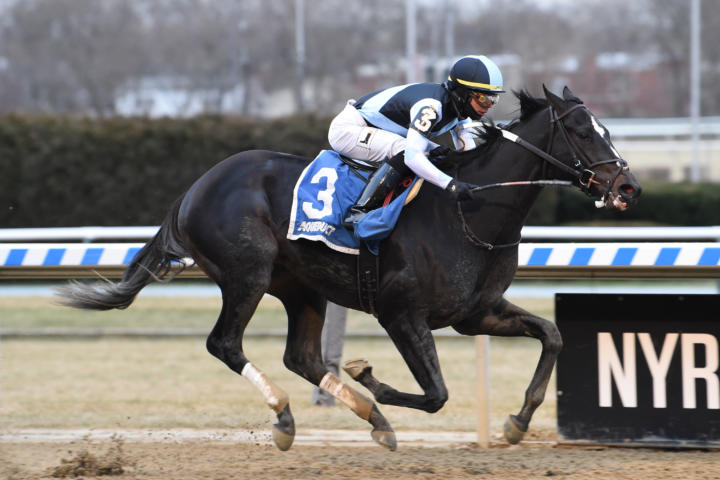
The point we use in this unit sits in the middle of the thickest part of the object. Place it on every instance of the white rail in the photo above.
(707, 233)
(530, 233)
(77, 234)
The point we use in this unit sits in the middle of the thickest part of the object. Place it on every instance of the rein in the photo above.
(584, 176)
(489, 246)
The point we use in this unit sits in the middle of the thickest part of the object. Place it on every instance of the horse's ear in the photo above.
(570, 96)
(556, 102)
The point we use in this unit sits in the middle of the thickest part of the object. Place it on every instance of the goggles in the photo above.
(486, 100)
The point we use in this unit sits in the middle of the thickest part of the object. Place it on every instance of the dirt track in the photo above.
(172, 458)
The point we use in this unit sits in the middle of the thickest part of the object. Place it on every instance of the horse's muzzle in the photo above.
(624, 196)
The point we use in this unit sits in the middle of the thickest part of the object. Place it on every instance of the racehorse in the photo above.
(445, 264)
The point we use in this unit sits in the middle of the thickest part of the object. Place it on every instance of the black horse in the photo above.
(442, 266)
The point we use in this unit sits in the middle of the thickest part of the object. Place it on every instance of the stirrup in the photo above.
(354, 215)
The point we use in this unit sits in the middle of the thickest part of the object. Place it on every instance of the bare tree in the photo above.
(361, 34)
(69, 55)
(80, 56)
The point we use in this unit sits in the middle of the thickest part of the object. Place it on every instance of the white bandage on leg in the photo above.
(275, 397)
(357, 403)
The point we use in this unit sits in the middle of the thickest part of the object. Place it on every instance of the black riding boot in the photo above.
(385, 178)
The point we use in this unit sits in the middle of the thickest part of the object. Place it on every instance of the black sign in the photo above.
(639, 369)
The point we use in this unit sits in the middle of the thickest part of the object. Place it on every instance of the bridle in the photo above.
(582, 168)
(582, 171)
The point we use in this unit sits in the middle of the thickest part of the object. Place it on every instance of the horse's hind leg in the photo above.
(509, 320)
(306, 311)
(225, 342)
(243, 281)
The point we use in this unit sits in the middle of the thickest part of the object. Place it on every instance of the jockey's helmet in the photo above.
(474, 76)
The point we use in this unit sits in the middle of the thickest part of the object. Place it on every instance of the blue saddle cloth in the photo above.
(325, 191)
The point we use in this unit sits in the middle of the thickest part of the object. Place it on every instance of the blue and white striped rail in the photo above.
(536, 260)
(619, 260)
(620, 255)
(67, 254)
(69, 260)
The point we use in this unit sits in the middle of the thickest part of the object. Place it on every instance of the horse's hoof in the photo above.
(382, 432)
(356, 367)
(513, 433)
(385, 438)
(282, 440)
(283, 432)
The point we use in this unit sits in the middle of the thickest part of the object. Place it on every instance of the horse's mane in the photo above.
(529, 106)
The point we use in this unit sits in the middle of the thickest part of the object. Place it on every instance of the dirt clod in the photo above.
(86, 464)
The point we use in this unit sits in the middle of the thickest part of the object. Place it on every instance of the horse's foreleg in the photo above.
(305, 310)
(510, 320)
(417, 347)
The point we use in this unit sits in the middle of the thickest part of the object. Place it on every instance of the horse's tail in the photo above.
(156, 261)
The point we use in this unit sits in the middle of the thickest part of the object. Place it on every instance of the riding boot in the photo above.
(382, 182)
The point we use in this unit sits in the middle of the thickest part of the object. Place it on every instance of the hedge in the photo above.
(673, 204)
(68, 171)
(61, 171)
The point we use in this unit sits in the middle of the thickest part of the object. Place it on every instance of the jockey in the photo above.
(382, 124)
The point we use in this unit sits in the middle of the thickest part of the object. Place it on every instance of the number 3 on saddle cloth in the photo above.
(325, 191)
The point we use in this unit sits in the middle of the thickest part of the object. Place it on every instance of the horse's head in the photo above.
(579, 138)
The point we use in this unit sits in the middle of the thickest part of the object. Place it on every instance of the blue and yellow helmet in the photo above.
(470, 76)
(477, 73)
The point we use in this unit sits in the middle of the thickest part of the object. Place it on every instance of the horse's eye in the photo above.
(584, 133)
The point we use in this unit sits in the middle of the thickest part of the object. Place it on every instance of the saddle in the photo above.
(358, 166)
(326, 190)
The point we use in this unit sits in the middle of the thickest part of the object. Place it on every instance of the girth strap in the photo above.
(368, 268)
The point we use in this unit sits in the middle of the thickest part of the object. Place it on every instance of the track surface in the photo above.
(347, 438)
(220, 454)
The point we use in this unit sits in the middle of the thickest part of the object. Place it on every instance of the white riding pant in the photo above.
(349, 134)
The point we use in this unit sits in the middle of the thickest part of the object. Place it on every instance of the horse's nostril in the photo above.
(629, 191)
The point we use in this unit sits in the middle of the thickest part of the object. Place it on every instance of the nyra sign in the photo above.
(639, 369)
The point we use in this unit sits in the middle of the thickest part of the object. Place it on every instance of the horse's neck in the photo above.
(535, 131)
(508, 162)
(509, 206)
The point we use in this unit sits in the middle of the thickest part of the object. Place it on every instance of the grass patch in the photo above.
(157, 312)
(122, 383)
(174, 383)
